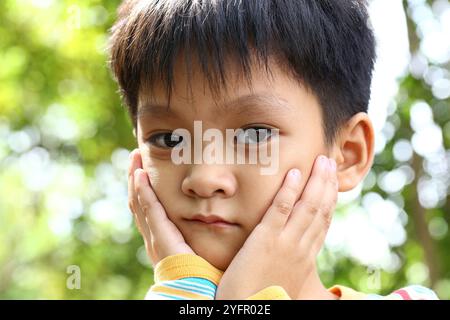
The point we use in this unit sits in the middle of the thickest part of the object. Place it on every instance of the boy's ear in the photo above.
(354, 151)
(134, 132)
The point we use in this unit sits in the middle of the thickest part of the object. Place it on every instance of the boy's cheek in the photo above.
(164, 190)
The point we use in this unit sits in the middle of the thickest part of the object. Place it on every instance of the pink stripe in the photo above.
(404, 294)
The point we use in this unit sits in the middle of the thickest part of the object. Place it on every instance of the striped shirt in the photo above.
(183, 289)
(190, 277)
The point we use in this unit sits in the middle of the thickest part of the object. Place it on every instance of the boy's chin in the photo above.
(218, 257)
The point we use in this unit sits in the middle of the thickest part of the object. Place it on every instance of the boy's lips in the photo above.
(211, 220)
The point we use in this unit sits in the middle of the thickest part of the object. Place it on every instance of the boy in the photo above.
(291, 76)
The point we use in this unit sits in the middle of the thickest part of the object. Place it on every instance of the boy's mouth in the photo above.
(211, 220)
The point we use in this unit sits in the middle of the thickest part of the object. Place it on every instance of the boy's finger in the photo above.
(166, 238)
(132, 200)
(314, 236)
(150, 206)
(311, 200)
(284, 201)
(135, 161)
(139, 217)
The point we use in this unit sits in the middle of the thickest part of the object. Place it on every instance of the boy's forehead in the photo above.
(237, 95)
(247, 104)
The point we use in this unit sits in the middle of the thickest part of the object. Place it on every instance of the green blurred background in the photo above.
(65, 139)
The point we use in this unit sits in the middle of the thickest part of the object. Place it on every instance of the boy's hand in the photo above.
(161, 237)
(283, 247)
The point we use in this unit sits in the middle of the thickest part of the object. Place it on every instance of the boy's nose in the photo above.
(206, 181)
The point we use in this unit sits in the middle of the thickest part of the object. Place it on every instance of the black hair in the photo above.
(328, 45)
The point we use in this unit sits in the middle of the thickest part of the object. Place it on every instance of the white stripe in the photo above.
(197, 284)
(187, 287)
(155, 296)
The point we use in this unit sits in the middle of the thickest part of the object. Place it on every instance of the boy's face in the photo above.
(237, 193)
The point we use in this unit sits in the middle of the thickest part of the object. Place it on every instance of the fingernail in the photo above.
(323, 161)
(294, 174)
(332, 164)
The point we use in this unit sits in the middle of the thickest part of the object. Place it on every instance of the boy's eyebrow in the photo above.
(249, 104)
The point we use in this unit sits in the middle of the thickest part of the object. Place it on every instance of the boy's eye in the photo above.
(165, 140)
(253, 135)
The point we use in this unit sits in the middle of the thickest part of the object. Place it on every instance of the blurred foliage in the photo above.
(64, 143)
